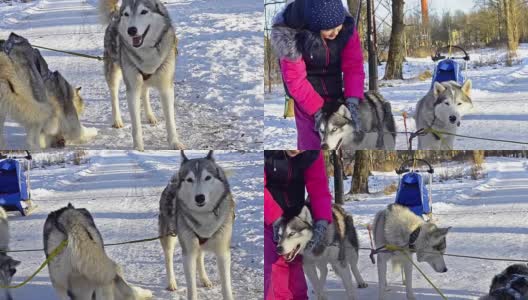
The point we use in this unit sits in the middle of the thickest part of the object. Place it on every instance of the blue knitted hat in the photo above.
(324, 14)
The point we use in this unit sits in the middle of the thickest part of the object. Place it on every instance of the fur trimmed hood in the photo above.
(289, 32)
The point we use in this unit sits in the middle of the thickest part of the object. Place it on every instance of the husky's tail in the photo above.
(107, 8)
(17, 98)
(87, 252)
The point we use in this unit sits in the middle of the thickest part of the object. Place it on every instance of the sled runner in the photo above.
(15, 186)
(449, 67)
(412, 191)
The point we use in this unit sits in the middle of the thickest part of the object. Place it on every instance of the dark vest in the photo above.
(323, 59)
(285, 178)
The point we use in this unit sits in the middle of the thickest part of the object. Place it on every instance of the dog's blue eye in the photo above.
(189, 180)
(207, 178)
(291, 234)
(144, 12)
(334, 129)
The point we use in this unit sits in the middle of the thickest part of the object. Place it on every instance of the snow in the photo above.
(218, 83)
(122, 190)
(488, 217)
(500, 97)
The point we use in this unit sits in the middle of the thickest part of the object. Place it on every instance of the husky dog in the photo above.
(512, 284)
(398, 225)
(198, 208)
(41, 100)
(82, 270)
(140, 47)
(442, 109)
(7, 264)
(378, 130)
(340, 249)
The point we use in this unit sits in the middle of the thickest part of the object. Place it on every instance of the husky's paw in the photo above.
(172, 286)
(152, 120)
(118, 123)
(362, 285)
(411, 297)
(176, 145)
(142, 294)
(206, 283)
(88, 133)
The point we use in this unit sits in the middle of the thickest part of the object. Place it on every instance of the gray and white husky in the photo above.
(83, 270)
(198, 208)
(340, 249)
(40, 100)
(140, 47)
(442, 108)
(377, 131)
(397, 225)
(7, 264)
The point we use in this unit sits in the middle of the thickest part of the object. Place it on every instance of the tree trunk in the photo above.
(394, 68)
(511, 30)
(361, 173)
(339, 193)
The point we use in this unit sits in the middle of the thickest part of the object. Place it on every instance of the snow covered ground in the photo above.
(218, 84)
(489, 218)
(500, 97)
(122, 190)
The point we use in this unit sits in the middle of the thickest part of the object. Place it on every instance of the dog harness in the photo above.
(413, 237)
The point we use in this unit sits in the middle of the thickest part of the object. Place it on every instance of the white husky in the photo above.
(442, 109)
(140, 47)
(397, 225)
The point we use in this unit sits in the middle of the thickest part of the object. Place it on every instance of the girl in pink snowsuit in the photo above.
(320, 59)
(286, 176)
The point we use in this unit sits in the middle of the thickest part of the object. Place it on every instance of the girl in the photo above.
(286, 176)
(320, 59)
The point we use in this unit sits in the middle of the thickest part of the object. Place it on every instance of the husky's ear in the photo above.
(210, 155)
(78, 90)
(441, 232)
(343, 111)
(466, 87)
(305, 214)
(184, 158)
(70, 205)
(13, 263)
(438, 88)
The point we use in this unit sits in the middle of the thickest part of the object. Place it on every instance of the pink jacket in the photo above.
(318, 191)
(294, 76)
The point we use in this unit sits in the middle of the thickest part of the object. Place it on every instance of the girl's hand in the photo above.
(318, 238)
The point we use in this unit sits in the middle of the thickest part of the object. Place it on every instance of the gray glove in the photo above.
(318, 116)
(318, 238)
(276, 227)
(352, 104)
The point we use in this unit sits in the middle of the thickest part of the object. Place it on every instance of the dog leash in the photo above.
(100, 58)
(51, 256)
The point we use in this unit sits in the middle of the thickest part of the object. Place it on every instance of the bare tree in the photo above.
(394, 69)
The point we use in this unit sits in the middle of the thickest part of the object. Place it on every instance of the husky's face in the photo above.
(202, 183)
(294, 235)
(7, 269)
(141, 22)
(451, 102)
(431, 247)
(335, 129)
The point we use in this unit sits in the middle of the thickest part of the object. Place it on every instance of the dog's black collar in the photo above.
(413, 238)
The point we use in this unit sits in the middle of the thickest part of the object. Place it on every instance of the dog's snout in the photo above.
(132, 31)
(200, 199)
(325, 146)
(452, 119)
(444, 270)
(280, 249)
